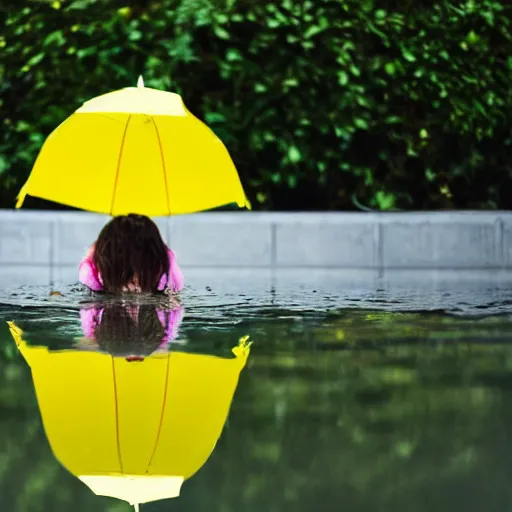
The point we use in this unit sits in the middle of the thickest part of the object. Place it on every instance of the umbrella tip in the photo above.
(140, 81)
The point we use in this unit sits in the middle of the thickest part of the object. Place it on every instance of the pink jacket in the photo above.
(89, 276)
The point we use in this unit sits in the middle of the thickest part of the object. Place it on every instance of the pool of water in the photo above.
(360, 392)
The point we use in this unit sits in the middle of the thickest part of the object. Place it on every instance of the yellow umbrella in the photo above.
(135, 150)
(132, 431)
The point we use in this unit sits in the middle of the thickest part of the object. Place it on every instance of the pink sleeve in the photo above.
(89, 320)
(176, 280)
(88, 273)
(172, 323)
(175, 273)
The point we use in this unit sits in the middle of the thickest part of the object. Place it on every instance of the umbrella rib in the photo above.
(164, 405)
(163, 165)
(119, 163)
(117, 417)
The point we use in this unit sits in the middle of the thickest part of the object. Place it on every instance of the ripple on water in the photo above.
(312, 293)
(218, 298)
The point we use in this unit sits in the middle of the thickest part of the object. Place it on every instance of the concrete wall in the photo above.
(45, 247)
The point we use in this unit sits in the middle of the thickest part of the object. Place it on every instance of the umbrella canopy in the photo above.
(132, 431)
(136, 150)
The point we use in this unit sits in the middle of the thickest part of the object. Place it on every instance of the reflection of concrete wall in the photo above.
(44, 247)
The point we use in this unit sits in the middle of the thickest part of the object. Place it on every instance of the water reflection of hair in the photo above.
(121, 331)
(130, 329)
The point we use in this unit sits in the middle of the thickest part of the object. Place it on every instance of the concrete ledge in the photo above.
(37, 247)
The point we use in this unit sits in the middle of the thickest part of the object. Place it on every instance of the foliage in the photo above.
(396, 104)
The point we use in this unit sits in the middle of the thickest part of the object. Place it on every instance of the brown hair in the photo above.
(119, 334)
(130, 250)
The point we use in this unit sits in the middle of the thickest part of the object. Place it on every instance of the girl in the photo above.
(130, 256)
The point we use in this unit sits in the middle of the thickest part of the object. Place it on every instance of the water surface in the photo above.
(361, 392)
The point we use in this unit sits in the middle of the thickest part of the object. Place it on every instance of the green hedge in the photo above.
(322, 104)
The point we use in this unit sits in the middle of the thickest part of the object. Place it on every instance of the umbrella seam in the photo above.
(164, 405)
(116, 405)
(119, 164)
(163, 164)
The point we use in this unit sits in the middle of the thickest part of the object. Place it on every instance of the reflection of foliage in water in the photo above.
(399, 411)
(364, 428)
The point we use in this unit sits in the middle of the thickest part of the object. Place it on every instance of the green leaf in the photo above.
(430, 175)
(122, 11)
(3, 164)
(81, 5)
(56, 37)
(135, 35)
(22, 126)
(290, 82)
(36, 59)
(342, 78)
(480, 108)
(368, 177)
(408, 56)
(384, 200)
(261, 198)
(390, 68)
(382, 35)
(361, 123)
(294, 154)
(38, 138)
(472, 37)
(221, 18)
(85, 52)
(363, 101)
(221, 33)
(214, 117)
(342, 133)
(292, 181)
(313, 30)
(233, 54)
(355, 70)
(393, 120)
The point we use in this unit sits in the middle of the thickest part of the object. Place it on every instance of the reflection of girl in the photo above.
(130, 256)
(129, 329)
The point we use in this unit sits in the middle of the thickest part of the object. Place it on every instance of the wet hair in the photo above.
(121, 335)
(129, 250)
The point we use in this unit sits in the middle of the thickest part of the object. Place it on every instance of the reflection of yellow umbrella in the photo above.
(136, 150)
(132, 431)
